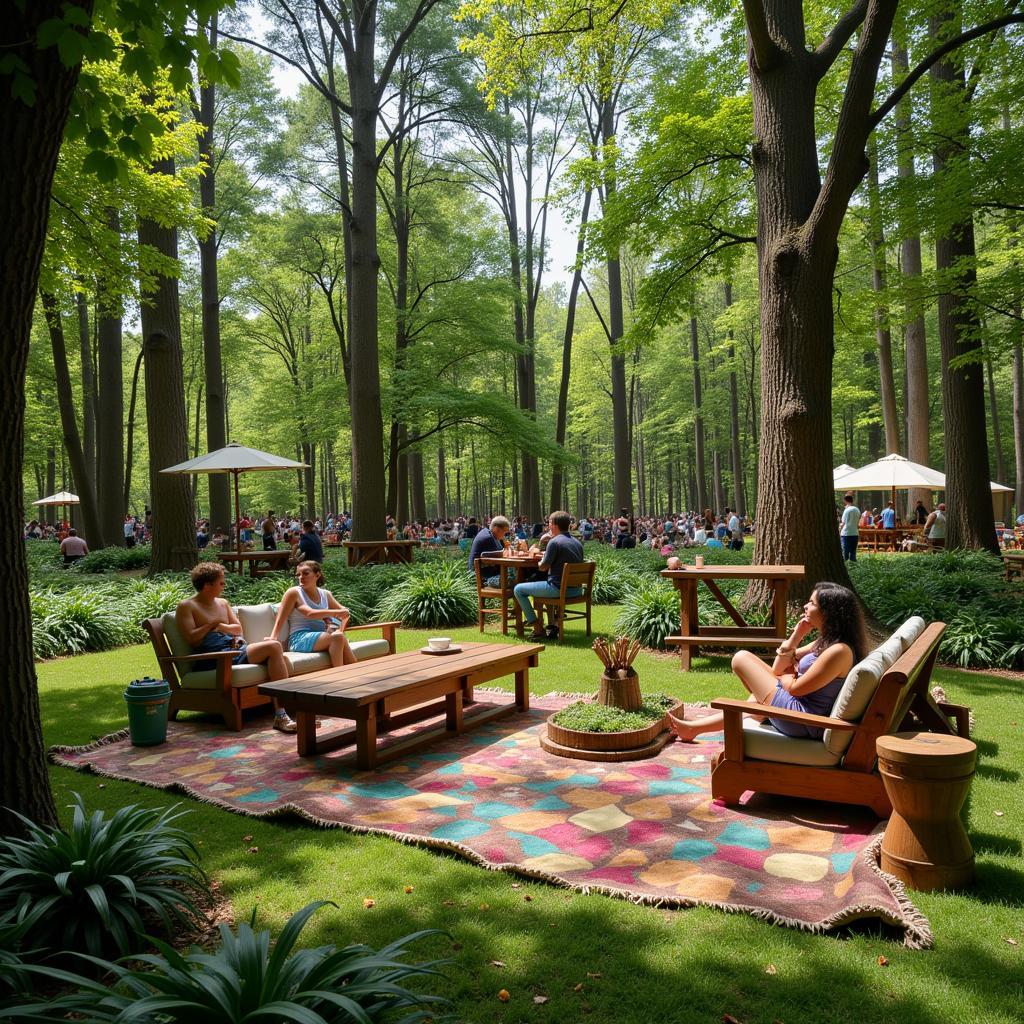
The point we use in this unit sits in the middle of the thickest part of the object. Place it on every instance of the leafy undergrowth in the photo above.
(585, 716)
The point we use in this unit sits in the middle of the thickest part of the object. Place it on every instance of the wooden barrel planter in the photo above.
(620, 690)
(628, 745)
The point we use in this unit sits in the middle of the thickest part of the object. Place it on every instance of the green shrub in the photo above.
(650, 612)
(92, 884)
(587, 716)
(247, 978)
(113, 560)
(973, 642)
(432, 594)
(76, 621)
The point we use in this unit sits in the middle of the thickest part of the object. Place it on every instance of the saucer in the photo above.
(451, 649)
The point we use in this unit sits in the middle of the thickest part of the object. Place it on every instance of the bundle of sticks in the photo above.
(618, 655)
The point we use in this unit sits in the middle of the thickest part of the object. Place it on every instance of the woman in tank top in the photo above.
(803, 677)
(316, 622)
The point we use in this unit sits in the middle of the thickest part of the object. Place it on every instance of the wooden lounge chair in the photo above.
(884, 693)
(580, 574)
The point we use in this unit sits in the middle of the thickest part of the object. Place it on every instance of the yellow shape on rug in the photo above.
(802, 867)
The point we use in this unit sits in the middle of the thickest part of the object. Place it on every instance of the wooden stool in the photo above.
(927, 777)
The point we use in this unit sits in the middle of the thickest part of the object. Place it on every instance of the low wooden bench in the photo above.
(399, 690)
(1013, 565)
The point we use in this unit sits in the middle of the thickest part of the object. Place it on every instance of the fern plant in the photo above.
(92, 883)
(650, 612)
(433, 594)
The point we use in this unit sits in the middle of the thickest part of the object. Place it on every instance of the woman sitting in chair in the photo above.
(316, 621)
(802, 678)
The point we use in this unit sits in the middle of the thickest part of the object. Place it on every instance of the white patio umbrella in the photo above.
(841, 470)
(65, 498)
(235, 459)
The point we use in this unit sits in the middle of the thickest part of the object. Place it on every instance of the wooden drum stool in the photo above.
(927, 777)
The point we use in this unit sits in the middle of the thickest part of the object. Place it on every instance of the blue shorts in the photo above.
(215, 641)
(304, 641)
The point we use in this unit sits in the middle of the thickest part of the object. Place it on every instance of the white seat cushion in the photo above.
(241, 677)
(366, 649)
(764, 743)
(862, 682)
(257, 622)
(301, 662)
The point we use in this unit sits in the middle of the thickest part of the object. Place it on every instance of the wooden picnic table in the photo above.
(373, 552)
(778, 579)
(276, 560)
(1013, 564)
(878, 538)
(525, 566)
(387, 693)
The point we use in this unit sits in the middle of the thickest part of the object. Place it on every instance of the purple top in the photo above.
(817, 703)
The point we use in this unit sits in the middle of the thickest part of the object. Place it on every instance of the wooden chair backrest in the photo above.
(897, 690)
(577, 574)
(155, 629)
(479, 577)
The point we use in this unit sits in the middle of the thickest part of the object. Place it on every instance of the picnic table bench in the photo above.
(1013, 564)
(277, 560)
(398, 690)
(374, 552)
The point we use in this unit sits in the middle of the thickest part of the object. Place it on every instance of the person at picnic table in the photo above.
(803, 677)
(849, 528)
(562, 549)
(269, 531)
(935, 527)
(920, 514)
(490, 541)
(310, 546)
(316, 621)
(209, 624)
(73, 547)
(888, 516)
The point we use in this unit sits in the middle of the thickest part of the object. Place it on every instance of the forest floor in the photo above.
(596, 958)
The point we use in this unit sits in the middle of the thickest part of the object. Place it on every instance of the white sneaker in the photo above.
(285, 723)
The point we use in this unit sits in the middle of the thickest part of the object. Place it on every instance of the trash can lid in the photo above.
(147, 687)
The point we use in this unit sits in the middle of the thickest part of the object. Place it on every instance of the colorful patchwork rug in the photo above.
(647, 831)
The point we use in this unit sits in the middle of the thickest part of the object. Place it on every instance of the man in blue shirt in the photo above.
(562, 549)
(309, 544)
(489, 542)
(888, 517)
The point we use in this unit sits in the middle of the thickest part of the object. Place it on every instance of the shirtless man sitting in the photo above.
(209, 623)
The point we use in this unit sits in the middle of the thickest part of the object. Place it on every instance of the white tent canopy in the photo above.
(234, 458)
(891, 472)
(60, 498)
(841, 470)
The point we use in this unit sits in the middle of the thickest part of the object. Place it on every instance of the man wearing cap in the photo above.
(935, 527)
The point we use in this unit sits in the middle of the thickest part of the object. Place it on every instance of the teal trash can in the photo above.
(147, 701)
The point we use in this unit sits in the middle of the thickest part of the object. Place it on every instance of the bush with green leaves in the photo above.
(588, 716)
(432, 594)
(100, 884)
(113, 559)
(76, 621)
(650, 612)
(249, 978)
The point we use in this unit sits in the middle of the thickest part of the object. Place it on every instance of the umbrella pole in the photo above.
(238, 521)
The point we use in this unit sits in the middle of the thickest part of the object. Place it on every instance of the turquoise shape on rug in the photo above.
(669, 787)
(551, 803)
(459, 830)
(382, 790)
(749, 837)
(693, 849)
(227, 752)
(264, 796)
(533, 846)
(495, 809)
(842, 862)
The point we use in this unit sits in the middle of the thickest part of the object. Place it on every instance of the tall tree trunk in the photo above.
(402, 508)
(914, 337)
(739, 491)
(174, 535)
(997, 434)
(110, 502)
(442, 485)
(129, 445)
(622, 481)
(416, 486)
(883, 334)
(970, 521)
(698, 419)
(32, 137)
(368, 512)
(716, 462)
(49, 513)
(88, 392)
(213, 373)
(558, 470)
(1018, 415)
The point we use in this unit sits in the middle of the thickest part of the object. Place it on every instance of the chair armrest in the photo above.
(802, 717)
(205, 656)
(386, 628)
(225, 662)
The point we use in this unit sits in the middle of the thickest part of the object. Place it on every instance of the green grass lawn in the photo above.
(597, 958)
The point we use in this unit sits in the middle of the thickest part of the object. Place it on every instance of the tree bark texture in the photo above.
(442, 486)
(171, 501)
(88, 390)
(698, 420)
(970, 521)
(213, 374)
(32, 137)
(110, 419)
(739, 491)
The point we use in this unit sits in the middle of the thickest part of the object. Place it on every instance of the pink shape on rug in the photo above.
(752, 859)
(507, 762)
(650, 771)
(644, 832)
(626, 876)
(497, 855)
(624, 788)
(577, 841)
(855, 840)
(802, 893)
(441, 785)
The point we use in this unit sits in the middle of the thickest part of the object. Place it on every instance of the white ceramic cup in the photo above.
(698, 562)
(439, 643)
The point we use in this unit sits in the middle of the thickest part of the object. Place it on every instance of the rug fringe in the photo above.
(918, 934)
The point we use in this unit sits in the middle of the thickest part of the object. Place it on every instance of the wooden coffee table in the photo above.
(384, 694)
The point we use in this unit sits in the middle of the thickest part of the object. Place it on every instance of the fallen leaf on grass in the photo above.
(771, 969)
(367, 903)
(516, 885)
(578, 987)
(497, 963)
(456, 946)
(1011, 942)
(409, 888)
(528, 898)
(540, 1000)
(485, 906)
(596, 974)
(998, 814)
(102, 785)
(246, 839)
(504, 996)
(448, 903)
(728, 1018)
(883, 961)
(253, 849)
